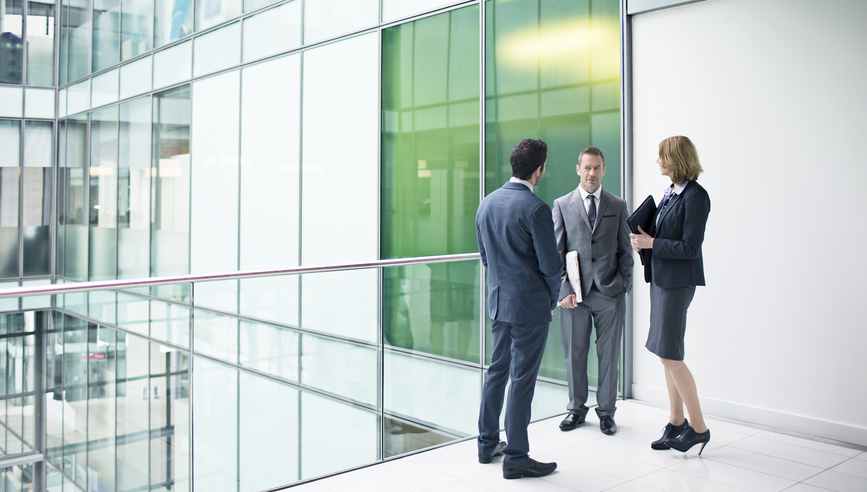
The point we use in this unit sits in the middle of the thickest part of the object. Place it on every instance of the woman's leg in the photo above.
(675, 402)
(685, 385)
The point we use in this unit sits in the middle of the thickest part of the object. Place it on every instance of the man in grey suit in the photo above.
(516, 241)
(592, 222)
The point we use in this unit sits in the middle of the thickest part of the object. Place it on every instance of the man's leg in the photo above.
(575, 326)
(527, 346)
(494, 388)
(609, 315)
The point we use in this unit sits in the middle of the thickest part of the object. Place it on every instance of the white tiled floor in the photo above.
(737, 458)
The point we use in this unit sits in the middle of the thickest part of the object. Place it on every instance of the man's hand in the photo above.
(569, 302)
(641, 241)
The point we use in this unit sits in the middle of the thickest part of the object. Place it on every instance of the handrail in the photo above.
(183, 279)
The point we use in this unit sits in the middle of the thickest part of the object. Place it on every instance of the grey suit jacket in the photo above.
(604, 253)
(516, 242)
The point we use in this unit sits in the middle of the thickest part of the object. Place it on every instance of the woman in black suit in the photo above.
(674, 267)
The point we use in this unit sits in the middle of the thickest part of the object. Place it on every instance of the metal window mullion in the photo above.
(380, 335)
(21, 158)
(626, 167)
(300, 225)
(482, 136)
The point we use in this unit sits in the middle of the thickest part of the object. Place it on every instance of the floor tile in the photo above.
(802, 487)
(637, 451)
(762, 463)
(733, 476)
(469, 447)
(461, 487)
(494, 480)
(852, 467)
(672, 481)
(575, 477)
(809, 443)
(733, 426)
(410, 475)
(610, 464)
(839, 482)
(357, 481)
(455, 464)
(862, 456)
(790, 452)
(312, 487)
(632, 487)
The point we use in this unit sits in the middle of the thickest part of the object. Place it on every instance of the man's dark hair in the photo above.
(591, 151)
(527, 156)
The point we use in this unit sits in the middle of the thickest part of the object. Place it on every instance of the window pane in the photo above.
(79, 97)
(217, 50)
(11, 99)
(173, 65)
(135, 77)
(105, 88)
(214, 195)
(138, 28)
(270, 143)
(39, 103)
(340, 368)
(174, 20)
(38, 173)
(79, 28)
(132, 412)
(10, 142)
(134, 189)
(215, 412)
(73, 218)
(357, 435)
(430, 139)
(170, 223)
(209, 13)
(433, 308)
(103, 194)
(399, 9)
(101, 406)
(270, 349)
(269, 433)
(358, 291)
(40, 42)
(274, 299)
(12, 47)
(215, 335)
(325, 19)
(170, 322)
(273, 31)
(170, 418)
(106, 30)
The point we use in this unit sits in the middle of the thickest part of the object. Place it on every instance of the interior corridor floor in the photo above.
(738, 458)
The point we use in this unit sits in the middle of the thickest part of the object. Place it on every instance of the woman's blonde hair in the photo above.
(679, 154)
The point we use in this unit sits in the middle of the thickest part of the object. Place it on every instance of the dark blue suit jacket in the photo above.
(516, 240)
(675, 259)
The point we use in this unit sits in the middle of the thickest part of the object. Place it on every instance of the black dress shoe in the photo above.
(688, 439)
(487, 458)
(531, 468)
(607, 425)
(668, 432)
(571, 421)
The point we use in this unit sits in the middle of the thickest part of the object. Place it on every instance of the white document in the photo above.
(573, 274)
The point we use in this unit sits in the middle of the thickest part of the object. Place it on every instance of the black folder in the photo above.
(643, 215)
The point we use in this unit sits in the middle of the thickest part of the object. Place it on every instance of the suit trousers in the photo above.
(517, 355)
(609, 316)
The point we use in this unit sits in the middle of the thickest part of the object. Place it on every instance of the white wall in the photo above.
(772, 93)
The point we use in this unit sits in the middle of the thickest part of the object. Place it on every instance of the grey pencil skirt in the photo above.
(668, 320)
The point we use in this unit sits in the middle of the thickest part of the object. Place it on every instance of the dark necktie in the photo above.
(591, 214)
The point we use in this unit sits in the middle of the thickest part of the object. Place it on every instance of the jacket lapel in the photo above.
(668, 206)
(600, 210)
(578, 203)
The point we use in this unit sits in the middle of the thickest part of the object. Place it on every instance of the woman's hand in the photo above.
(641, 241)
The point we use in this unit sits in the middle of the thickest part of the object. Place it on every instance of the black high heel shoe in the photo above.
(688, 439)
(669, 431)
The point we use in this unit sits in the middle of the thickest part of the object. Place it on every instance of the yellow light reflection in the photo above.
(559, 43)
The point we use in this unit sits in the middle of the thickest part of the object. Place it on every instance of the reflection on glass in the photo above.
(173, 65)
(169, 418)
(270, 349)
(134, 189)
(341, 368)
(103, 194)
(174, 20)
(215, 412)
(216, 335)
(11, 99)
(138, 28)
(358, 293)
(217, 50)
(106, 26)
(79, 97)
(40, 42)
(357, 435)
(104, 88)
(268, 432)
(11, 42)
(38, 158)
(171, 189)
(75, 360)
(401, 436)
(77, 28)
(39, 103)
(398, 9)
(430, 137)
(10, 142)
(72, 218)
(170, 322)
(273, 31)
(136, 77)
(101, 405)
(209, 13)
(274, 299)
(324, 19)
(433, 308)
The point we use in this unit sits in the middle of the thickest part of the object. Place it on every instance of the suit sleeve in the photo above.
(696, 208)
(481, 245)
(542, 229)
(625, 260)
(560, 235)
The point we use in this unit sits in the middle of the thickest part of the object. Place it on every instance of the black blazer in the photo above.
(675, 260)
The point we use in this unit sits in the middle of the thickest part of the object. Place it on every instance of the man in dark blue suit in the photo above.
(515, 232)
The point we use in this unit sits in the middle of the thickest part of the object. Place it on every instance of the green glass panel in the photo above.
(552, 73)
(430, 135)
(433, 308)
